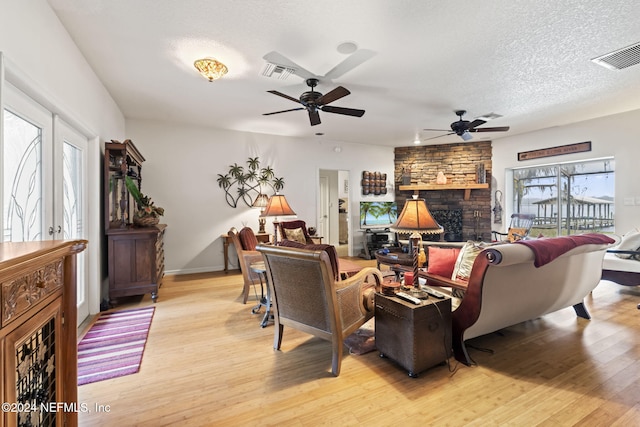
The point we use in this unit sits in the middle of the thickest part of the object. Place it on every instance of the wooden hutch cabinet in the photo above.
(38, 335)
(135, 254)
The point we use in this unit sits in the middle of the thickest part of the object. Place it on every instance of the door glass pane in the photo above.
(72, 192)
(22, 180)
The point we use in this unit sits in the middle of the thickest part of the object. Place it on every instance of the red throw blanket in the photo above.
(546, 250)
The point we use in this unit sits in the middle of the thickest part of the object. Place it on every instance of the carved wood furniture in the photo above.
(135, 254)
(38, 338)
(306, 296)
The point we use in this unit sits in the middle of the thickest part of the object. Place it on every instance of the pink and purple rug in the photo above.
(114, 345)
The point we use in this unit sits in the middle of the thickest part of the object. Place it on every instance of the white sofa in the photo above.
(621, 264)
(505, 287)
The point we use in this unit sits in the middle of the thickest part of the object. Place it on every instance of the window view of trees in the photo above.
(567, 198)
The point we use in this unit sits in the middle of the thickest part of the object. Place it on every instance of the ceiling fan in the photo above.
(349, 63)
(463, 128)
(314, 102)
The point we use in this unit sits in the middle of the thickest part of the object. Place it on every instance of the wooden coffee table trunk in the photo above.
(415, 336)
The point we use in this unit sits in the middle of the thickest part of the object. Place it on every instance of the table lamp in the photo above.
(261, 201)
(277, 206)
(416, 219)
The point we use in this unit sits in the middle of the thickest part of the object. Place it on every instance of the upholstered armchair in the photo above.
(306, 296)
(295, 230)
(245, 243)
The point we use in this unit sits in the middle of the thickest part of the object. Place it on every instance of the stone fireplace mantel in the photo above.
(416, 188)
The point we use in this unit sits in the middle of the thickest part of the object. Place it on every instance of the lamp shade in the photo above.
(278, 206)
(261, 201)
(416, 218)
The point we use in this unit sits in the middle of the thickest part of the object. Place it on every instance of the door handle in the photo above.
(50, 231)
(59, 229)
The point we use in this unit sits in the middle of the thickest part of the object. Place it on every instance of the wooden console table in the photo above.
(226, 240)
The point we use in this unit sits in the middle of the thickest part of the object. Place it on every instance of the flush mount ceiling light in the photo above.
(210, 68)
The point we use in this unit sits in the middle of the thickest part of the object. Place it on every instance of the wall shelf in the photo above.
(416, 188)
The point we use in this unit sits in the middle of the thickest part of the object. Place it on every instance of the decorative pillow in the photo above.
(630, 242)
(295, 234)
(466, 257)
(442, 260)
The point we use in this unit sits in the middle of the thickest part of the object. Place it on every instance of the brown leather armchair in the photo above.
(245, 243)
(306, 296)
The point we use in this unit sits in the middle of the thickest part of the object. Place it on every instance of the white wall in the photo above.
(181, 170)
(42, 60)
(615, 136)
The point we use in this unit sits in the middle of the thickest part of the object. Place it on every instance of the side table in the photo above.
(417, 337)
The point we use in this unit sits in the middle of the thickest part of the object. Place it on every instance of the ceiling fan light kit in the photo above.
(210, 68)
(463, 128)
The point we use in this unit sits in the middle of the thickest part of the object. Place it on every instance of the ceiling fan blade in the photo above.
(314, 117)
(476, 122)
(275, 92)
(278, 58)
(439, 136)
(283, 111)
(494, 129)
(333, 95)
(349, 63)
(341, 110)
(437, 130)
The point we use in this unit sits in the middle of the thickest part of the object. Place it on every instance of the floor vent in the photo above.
(277, 71)
(619, 59)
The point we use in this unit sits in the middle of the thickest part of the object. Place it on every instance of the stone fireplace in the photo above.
(462, 205)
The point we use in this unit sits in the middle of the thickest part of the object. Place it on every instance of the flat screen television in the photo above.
(377, 215)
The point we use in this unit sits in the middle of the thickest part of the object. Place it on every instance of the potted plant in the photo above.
(148, 213)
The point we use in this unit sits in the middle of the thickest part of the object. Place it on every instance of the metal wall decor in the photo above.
(246, 184)
(374, 183)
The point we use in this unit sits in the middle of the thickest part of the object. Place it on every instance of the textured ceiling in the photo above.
(528, 61)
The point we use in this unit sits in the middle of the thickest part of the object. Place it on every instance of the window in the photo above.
(567, 198)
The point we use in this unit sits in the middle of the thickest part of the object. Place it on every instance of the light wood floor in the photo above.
(207, 362)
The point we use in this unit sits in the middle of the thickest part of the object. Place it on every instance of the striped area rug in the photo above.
(114, 345)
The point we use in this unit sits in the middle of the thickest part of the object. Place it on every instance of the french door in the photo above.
(43, 179)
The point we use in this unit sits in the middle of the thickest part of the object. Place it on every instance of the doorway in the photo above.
(333, 215)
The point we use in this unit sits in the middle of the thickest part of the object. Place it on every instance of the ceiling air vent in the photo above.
(277, 71)
(621, 58)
